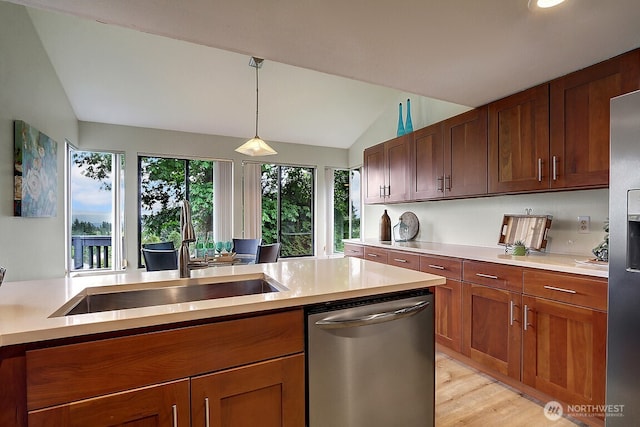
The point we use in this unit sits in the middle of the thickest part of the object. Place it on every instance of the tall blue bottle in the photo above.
(408, 128)
(400, 125)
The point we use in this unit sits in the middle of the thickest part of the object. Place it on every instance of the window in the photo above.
(287, 208)
(165, 182)
(346, 207)
(95, 220)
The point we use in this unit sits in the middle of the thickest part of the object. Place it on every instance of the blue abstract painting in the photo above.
(35, 172)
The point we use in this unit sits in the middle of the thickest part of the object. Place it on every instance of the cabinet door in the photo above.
(519, 142)
(404, 259)
(398, 161)
(267, 394)
(465, 148)
(579, 120)
(448, 314)
(376, 254)
(427, 163)
(491, 328)
(159, 405)
(565, 350)
(352, 250)
(374, 174)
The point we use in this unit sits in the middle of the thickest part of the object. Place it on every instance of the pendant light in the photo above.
(256, 146)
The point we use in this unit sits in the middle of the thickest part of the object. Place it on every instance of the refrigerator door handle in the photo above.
(337, 322)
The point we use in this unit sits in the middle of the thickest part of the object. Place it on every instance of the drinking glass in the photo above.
(228, 246)
(219, 246)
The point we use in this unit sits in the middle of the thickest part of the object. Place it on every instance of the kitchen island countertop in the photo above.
(26, 307)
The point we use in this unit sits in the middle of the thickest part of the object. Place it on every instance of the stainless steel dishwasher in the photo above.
(371, 362)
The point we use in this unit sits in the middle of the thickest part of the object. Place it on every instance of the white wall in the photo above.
(30, 90)
(133, 141)
(477, 221)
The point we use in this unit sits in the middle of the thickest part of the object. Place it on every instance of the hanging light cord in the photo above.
(257, 100)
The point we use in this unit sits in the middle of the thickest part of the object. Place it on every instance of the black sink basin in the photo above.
(98, 302)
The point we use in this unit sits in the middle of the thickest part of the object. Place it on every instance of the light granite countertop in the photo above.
(26, 307)
(575, 264)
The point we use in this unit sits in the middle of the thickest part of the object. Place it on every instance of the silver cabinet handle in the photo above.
(511, 304)
(554, 167)
(373, 255)
(437, 267)
(447, 179)
(345, 321)
(174, 410)
(539, 169)
(400, 260)
(553, 288)
(440, 184)
(487, 276)
(381, 191)
(206, 412)
(526, 316)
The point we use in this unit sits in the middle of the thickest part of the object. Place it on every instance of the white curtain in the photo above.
(252, 203)
(223, 200)
(329, 184)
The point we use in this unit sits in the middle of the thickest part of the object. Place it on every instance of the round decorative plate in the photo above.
(413, 225)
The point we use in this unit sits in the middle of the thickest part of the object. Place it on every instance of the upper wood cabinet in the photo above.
(449, 159)
(386, 171)
(465, 154)
(519, 142)
(579, 120)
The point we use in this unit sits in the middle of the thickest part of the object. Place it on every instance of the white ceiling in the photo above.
(463, 51)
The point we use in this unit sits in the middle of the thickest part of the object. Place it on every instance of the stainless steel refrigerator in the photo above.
(623, 346)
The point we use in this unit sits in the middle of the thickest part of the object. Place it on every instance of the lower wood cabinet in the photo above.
(352, 250)
(564, 350)
(268, 394)
(448, 314)
(491, 331)
(157, 405)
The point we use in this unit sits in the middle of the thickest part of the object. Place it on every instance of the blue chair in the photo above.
(246, 246)
(268, 253)
(160, 256)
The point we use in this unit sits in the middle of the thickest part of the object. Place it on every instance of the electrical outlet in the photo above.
(584, 224)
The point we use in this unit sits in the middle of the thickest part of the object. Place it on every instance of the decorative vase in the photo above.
(400, 125)
(385, 227)
(408, 128)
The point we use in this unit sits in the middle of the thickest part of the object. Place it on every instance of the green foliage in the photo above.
(97, 166)
(83, 228)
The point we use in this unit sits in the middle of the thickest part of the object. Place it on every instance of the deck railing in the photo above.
(97, 251)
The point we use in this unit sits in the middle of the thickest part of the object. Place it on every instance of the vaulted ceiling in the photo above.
(331, 67)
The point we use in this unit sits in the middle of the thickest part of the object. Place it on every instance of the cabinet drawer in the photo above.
(494, 275)
(451, 268)
(404, 259)
(375, 254)
(579, 290)
(353, 250)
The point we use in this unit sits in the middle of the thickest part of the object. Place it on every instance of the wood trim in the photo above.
(78, 371)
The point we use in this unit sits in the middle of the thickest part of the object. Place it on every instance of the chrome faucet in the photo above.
(188, 236)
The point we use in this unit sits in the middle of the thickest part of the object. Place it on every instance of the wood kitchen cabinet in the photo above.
(376, 254)
(491, 329)
(564, 344)
(448, 299)
(519, 142)
(157, 405)
(579, 120)
(158, 377)
(269, 394)
(449, 159)
(356, 251)
(386, 171)
(465, 154)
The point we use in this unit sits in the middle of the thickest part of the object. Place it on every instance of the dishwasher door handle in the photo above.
(346, 321)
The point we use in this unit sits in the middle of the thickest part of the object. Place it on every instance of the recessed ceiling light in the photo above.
(544, 4)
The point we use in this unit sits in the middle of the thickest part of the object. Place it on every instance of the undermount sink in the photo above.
(148, 297)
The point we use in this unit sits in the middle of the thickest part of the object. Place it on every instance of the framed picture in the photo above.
(35, 172)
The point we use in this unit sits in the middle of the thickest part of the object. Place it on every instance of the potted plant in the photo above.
(518, 248)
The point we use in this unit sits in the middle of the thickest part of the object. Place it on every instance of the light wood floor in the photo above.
(466, 397)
